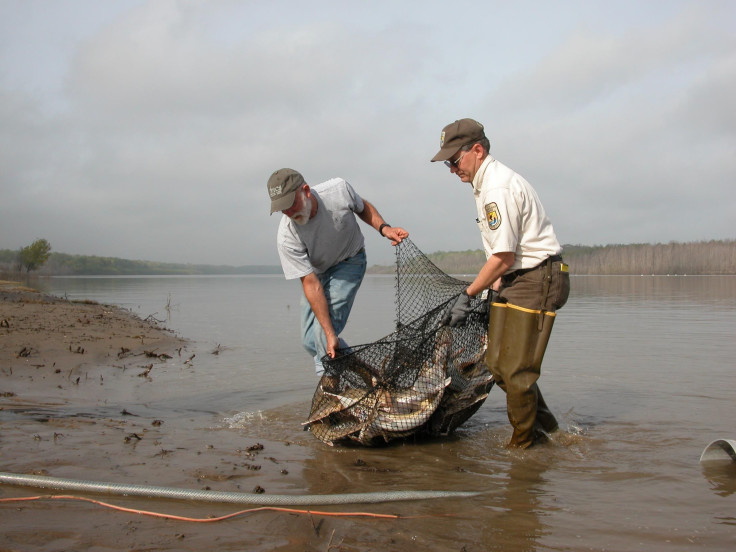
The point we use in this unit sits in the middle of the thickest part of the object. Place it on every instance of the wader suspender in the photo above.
(545, 292)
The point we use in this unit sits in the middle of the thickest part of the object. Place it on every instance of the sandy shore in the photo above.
(42, 336)
(61, 364)
(75, 381)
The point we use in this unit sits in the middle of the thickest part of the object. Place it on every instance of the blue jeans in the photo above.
(340, 284)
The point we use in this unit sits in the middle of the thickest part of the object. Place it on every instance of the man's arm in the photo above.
(372, 217)
(495, 267)
(316, 296)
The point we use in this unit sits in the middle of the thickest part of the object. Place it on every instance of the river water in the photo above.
(639, 373)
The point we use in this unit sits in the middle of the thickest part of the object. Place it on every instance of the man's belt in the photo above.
(516, 273)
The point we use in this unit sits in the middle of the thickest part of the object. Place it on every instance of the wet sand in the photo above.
(66, 369)
(79, 385)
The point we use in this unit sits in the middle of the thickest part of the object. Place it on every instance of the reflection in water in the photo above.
(721, 476)
(519, 524)
(719, 290)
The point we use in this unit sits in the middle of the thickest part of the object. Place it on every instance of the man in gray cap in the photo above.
(524, 265)
(319, 241)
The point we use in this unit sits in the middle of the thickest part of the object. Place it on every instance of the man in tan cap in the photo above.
(524, 265)
(319, 241)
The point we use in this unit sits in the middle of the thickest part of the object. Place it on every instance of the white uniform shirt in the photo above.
(331, 236)
(511, 217)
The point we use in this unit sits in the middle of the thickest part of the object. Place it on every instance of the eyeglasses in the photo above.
(456, 162)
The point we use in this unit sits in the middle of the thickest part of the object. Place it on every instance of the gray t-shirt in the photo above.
(331, 236)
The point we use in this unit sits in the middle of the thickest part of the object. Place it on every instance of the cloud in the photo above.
(158, 123)
(172, 134)
(611, 128)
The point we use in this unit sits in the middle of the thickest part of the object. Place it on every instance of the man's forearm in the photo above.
(318, 302)
(495, 267)
(370, 215)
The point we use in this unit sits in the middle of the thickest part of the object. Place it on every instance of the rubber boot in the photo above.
(545, 418)
(517, 341)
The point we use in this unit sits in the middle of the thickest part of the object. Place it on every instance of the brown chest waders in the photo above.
(517, 341)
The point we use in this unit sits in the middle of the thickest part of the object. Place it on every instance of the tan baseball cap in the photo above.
(282, 187)
(456, 135)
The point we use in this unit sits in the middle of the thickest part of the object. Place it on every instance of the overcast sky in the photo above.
(148, 129)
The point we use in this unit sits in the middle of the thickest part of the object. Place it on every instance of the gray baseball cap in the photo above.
(282, 187)
(454, 136)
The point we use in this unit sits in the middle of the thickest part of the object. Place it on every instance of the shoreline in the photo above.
(81, 390)
(43, 337)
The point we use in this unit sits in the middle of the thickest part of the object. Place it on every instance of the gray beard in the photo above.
(302, 217)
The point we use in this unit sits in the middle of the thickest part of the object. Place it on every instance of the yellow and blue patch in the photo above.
(493, 216)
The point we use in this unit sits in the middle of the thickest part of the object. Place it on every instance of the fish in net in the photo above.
(424, 378)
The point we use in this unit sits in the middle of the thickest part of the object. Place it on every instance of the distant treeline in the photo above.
(712, 257)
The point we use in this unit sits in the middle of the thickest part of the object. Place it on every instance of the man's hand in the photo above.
(395, 234)
(457, 314)
(333, 345)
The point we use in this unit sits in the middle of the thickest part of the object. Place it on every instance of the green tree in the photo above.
(35, 255)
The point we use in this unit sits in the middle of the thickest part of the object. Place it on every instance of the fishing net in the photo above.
(424, 378)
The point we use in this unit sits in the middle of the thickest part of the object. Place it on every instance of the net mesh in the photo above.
(424, 378)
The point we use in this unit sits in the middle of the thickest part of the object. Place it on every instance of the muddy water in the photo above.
(639, 372)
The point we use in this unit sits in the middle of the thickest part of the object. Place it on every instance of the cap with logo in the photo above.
(282, 187)
(462, 132)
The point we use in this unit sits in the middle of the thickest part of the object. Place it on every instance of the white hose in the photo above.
(44, 482)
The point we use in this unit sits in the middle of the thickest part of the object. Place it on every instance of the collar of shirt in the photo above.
(478, 178)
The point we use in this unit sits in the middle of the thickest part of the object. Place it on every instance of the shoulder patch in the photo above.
(492, 215)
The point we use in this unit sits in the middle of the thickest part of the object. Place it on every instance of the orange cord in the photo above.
(203, 520)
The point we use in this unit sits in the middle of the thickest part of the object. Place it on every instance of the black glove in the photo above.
(458, 312)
